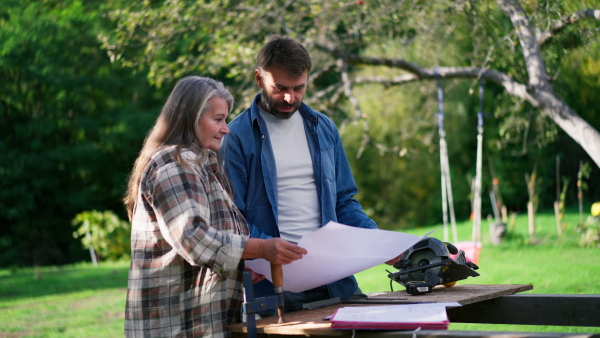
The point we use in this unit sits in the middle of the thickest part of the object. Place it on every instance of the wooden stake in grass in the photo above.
(584, 172)
(556, 202)
(562, 201)
(496, 189)
(531, 203)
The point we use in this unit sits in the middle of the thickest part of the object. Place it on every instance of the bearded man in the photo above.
(288, 165)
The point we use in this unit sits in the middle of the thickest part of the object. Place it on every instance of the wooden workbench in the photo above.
(492, 304)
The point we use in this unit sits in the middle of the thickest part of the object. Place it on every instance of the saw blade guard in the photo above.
(428, 251)
(424, 258)
(429, 262)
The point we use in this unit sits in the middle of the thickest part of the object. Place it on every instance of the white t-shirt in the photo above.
(298, 206)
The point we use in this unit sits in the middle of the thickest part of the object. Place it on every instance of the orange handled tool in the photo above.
(277, 275)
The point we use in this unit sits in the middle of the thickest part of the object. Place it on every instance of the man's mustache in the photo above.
(286, 105)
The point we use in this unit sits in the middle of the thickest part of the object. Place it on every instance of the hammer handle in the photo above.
(277, 275)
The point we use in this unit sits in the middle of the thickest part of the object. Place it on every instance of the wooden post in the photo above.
(531, 204)
(531, 220)
(580, 191)
(557, 202)
(512, 221)
(498, 196)
(557, 216)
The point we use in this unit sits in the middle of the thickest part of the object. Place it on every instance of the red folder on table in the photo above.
(391, 317)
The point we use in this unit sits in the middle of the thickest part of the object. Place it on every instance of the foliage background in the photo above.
(81, 82)
(71, 125)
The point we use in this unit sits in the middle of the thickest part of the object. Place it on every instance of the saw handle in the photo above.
(452, 249)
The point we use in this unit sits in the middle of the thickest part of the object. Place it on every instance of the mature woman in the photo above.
(188, 240)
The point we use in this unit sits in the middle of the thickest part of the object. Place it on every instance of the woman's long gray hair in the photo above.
(177, 124)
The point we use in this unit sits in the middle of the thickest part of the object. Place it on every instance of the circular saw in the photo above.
(428, 263)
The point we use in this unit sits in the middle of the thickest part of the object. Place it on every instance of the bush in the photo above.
(105, 232)
(590, 232)
(590, 229)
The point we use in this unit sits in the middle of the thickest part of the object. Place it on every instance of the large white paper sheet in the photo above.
(336, 251)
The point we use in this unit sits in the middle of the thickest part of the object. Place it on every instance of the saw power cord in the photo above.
(391, 280)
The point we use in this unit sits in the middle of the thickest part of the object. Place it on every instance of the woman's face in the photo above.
(213, 124)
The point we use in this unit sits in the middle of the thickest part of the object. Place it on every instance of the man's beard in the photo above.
(270, 107)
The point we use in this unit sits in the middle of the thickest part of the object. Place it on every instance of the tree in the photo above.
(70, 124)
(357, 45)
(538, 90)
(181, 23)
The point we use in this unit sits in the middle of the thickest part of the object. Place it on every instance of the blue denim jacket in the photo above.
(250, 164)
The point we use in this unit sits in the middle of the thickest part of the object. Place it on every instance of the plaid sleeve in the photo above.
(185, 203)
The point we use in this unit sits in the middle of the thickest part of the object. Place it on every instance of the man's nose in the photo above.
(289, 98)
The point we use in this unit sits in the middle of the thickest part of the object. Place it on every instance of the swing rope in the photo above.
(447, 199)
(476, 235)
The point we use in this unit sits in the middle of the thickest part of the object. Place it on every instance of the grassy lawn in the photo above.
(85, 301)
(69, 301)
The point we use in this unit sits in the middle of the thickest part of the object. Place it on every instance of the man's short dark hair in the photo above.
(286, 53)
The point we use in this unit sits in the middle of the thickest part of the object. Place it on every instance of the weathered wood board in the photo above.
(312, 322)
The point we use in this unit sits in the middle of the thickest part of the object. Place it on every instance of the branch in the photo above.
(352, 59)
(347, 85)
(417, 73)
(561, 25)
(511, 86)
(395, 81)
(321, 93)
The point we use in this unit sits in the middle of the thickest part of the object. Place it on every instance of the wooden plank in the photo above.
(312, 322)
(532, 309)
(462, 293)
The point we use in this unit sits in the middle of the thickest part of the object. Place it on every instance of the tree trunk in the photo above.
(540, 88)
(568, 120)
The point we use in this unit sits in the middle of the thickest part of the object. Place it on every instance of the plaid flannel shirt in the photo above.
(187, 239)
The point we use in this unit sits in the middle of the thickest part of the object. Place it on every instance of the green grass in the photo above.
(85, 301)
(70, 301)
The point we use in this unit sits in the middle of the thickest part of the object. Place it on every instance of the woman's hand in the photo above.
(279, 251)
(274, 250)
